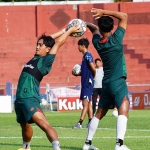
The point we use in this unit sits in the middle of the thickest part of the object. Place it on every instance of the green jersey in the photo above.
(111, 53)
(32, 74)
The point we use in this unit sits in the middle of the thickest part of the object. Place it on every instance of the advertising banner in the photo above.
(5, 104)
(141, 100)
(66, 92)
(69, 104)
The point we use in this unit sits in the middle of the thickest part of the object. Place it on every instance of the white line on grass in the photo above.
(140, 130)
(65, 137)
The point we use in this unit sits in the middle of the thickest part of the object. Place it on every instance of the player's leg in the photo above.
(122, 104)
(90, 111)
(122, 125)
(85, 103)
(101, 112)
(93, 127)
(50, 132)
(94, 100)
(27, 133)
(85, 96)
(25, 127)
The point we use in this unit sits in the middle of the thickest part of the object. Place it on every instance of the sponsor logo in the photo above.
(146, 100)
(29, 66)
(69, 104)
(136, 101)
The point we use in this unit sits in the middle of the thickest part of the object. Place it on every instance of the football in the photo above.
(77, 69)
(115, 113)
(77, 22)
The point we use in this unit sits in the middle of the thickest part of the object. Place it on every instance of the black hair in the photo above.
(84, 41)
(105, 23)
(47, 40)
(97, 59)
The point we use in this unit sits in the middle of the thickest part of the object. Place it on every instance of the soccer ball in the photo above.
(43, 102)
(77, 22)
(77, 69)
(115, 113)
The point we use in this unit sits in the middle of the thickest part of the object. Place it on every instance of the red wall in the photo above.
(21, 25)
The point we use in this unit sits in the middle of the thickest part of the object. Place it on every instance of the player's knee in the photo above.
(25, 126)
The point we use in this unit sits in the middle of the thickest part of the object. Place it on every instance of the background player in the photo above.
(87, 80)
(97, 89)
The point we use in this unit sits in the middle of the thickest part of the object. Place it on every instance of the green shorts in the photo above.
(25, 108)
(113, 94)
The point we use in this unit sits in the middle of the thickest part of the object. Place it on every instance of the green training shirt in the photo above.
(32, 74)
(112, 55)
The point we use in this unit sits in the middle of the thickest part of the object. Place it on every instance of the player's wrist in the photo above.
(63, 30)
(104, 12)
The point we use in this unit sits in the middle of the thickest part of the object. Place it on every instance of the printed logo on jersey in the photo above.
(29, 66)
(89, 58)
(31, 109)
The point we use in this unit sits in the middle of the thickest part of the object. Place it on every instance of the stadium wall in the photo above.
(21, 25)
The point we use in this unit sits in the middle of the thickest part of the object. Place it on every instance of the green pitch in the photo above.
(137, 136)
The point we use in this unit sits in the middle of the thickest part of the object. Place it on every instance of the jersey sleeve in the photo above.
(48, 60)
(95, 40)
(88, 57)
(118, 35)
(46, 64)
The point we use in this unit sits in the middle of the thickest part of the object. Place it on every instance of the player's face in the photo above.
(41, 49)
(80, 48)
(98, 64)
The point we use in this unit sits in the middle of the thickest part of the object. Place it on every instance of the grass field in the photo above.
(137, 135)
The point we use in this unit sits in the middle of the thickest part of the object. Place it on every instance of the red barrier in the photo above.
(20, 26)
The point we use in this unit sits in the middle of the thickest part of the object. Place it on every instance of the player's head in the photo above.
(105, 24)
(83, 44)
(98, 62)
(44, 44)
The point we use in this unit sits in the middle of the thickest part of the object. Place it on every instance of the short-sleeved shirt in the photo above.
(87, 79)
(86, 73)
(112, 55)
(28, 85)
(98, 77)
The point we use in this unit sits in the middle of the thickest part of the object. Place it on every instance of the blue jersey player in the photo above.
(87, 80)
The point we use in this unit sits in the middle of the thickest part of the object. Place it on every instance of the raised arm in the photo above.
(58, 34)
(121, 16)
(63, 38)
(93, 28)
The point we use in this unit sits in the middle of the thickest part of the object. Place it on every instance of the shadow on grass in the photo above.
(41, 146)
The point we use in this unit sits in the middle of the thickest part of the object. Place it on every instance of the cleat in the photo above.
(123, 147)
(89, 147)
(77, 126)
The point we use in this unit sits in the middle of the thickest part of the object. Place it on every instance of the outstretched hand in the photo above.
(97, 13)
(75, 28)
